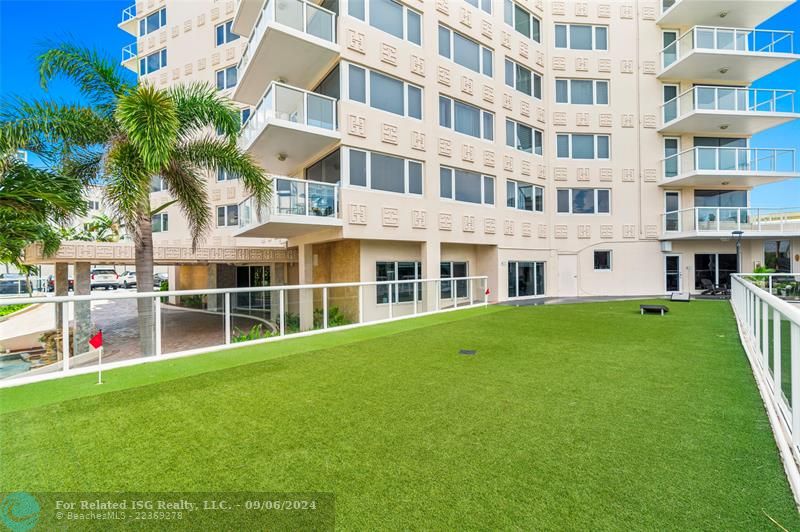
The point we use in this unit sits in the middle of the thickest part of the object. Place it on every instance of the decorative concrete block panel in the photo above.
(468, 223)
(445, 147)
(355, 41)
(603, 11)
(649, 121)
(604, 65)
(582, 64)
(488, 158)
(389, 133)
(582, 119)
(628, 231)
(390, 216)
(488, 93)
(388, 54)
(508, 227)
(486, 29)
(606, 231)
(651, 231)
(627, 120)
(467, 84)
(489, 226)
(525, 108)
(649, 67)
(526, 167)
(465, 17)
(626, 11)
(606, 174)
(560, 173)
(419, 219)
(508, 163)
(626, 66)
(559, 118)
(468, 153)
(584, 231)
(508, 101)
(417, 65)
(559, 63)
(443, 75)
(445, 221)
(527, 229)
(606, 120)
(650, 175)
(523, 49)
(560, 230)
(541, 231)
(357, 125)
(418, 140)
(505, 40)
(357, 214)
(628, 175)
(558, 8)
(583, 174)
(541, 171)
(443, 7)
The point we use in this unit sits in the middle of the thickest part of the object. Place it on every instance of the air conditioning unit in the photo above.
(666, 246)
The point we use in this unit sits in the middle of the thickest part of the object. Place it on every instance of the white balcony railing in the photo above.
(743, 40)
(723, 220)
(292, 197)
(728, 99)
(129, 52)
(729, 160)
(129, 13)
(287, 103)
(300, 15)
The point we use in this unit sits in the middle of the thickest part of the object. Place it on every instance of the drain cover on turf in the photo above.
(467, 352)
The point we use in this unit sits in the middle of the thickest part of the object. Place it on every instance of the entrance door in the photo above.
(672, 206)
(672, 273)
(568, 275)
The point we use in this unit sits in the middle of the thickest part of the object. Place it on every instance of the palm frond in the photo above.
(200, 105)
(39, 194)
(188, 187)
(149, 118)
(128, 185)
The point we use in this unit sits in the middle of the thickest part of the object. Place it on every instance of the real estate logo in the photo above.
(19, 511)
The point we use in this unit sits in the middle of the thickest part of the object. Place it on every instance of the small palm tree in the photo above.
(128, 134)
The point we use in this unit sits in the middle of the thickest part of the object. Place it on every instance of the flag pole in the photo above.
(100, 365)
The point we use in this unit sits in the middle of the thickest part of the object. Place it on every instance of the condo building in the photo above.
(561, 148)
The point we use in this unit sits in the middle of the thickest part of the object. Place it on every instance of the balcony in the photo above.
(711, 111)
(719, 222)
(731, 55)
(297, 207)
(288, 127)
(245, 17)
(128, 22)
(293, 41)
(713, 12)
(704, 166)
(129, 57)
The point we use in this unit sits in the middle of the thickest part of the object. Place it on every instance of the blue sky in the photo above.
(94, 23)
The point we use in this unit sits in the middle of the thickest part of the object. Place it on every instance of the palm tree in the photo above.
(126, 135)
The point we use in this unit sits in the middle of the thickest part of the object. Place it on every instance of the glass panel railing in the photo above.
(129, 13)
(721, 159)
(743, 40)
(293, 197)
(726, 219)
(730, 99)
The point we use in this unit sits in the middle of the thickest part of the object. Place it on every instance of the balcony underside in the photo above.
(246, 16)
(131, 64)
(738, 13)
(284, 54)
(739, 67)
(713, 123)
(129, 26)
(720, 177)
(289, 226)
(748, 234)
(292, 142)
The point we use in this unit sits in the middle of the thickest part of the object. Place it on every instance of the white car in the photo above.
(127, 279)
(105, 278)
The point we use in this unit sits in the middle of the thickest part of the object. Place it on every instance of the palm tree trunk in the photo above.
(144, 283)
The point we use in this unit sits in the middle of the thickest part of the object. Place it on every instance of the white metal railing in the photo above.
(292, 197)
(728, 99)
(742, 40)
(284, 102)
(129, 13)
(727, 219)
(769, 329)
(785, 286)
(728, 160)
(300, 15)
(129, 51)
(187, 322)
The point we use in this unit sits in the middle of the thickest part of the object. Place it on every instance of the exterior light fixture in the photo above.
(281, 157)
(738, 235)
(723, 70)
(723, 127)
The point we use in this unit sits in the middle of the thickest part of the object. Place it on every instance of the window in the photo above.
(463, 185)
(521, 20)
(226, 78)
(383, 92)
(224, 33)
(398, 271)
(153, 21)
(602, 261)
(523, 79)
(453, 270)
(222, 175)
(720, 198)
(227, 215)
(582, 91)
(385, 172)
(713, 268)
(157, 184)
(93, 205)
(153, 62)
(581, 37)
(465, 51)
(524, 196)
(160, 222)
(389, 16)
(525, 279)
(777, 256)
(465, 118)
(485, 5)
(575, 146)
(584, 201)
(523, 137)
(246, 115)
(671, 156)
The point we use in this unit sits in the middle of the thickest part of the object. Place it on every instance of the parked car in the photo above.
(105, 278)
(51, 283)
(12, 284)
(127, 279)
(158, 278)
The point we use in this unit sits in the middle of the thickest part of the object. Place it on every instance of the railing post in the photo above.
(764, 335)
(157, 312)
(794, 342)
(324, 305)
(65, 335)
(438, 291)
(485, 286)
(415, 296)
(769, 282)
(391, 299)
(281, 305)
(360, 303)
(776, 353)
(227, 317)
(756, 309)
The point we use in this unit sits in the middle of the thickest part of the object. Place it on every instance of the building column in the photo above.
(83, 309)
(305, 262)
(431, 255)
(489, 265)
(61, 288)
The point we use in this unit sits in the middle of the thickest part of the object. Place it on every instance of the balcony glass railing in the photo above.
(283, 102)
(300, 15)
(731, 99)
(292, 197)
(711, 159)
(727, 219)
(129, 52)
(744, 40)
(129, 13)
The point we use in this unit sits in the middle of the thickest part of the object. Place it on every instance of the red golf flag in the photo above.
(487, 292)
(96, 341)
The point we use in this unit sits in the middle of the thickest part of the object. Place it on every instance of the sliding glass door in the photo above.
(525, 279)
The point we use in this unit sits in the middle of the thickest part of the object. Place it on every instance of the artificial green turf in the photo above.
(582, 416)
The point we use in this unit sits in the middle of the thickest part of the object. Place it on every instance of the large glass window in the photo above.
(227, 215)
(392, 17)
(582, 91)
(453, 270)
(465, 51)
(222, 175)
(485, 5)
(379, 171)
(463, 185)
(720, 198)
(581, 37)
(160, 222)
(153, 21)
(521, 20)
(777, 256)
(578, 146)
(153, 62)
(226, 78)
(326, 170)
(523, 79)
(523, 137)
(384, 92)
(525, 279)
(524, 196)
(465, 118)
(584, 200)
(224, 33)
(713, 270)
(398, 271)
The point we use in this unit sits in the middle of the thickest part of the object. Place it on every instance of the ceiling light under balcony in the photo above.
(726, 183)
(723, 14)
(723, 127)
(723, 70)
(281, 157)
